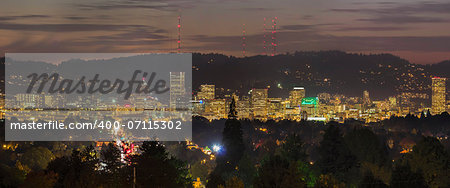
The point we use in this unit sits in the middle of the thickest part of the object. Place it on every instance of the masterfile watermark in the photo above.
(98, 99)
(104, 86)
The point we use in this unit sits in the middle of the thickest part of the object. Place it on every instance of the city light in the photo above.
(217, 148)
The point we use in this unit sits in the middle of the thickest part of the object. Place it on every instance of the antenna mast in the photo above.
(179, 35)
(265, 38)
(274, 36)
(244, 44)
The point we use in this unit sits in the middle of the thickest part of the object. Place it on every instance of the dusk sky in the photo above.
(415, 30)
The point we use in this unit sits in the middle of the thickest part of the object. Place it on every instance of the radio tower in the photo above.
(179, 35)
(244, 44)
(274, 36)
(265, 39)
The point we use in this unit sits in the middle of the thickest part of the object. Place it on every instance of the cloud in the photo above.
(307, 17)
(76, 18)
(8, 18)
(395, 13)
(403, 19)
(380, 3)
(83, 45)
(160, 5)
(66, 27)
(297, 27)
(311, 40)
(141, 34)
(372, 28)
(423, 7)
(122, 6)
(145, 40)
(257, 9)
(112, 38)
(396, 8)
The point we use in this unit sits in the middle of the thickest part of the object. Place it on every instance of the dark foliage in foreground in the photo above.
(280, 154)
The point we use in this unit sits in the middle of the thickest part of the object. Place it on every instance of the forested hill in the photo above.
(382, 75)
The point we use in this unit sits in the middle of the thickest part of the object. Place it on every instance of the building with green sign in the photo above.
(310, 106)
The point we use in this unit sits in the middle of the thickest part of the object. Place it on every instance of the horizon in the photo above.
(225, 93)
(69, 56)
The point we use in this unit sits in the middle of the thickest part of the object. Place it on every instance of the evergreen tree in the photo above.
(110, 157)
(78, 170)
(334, 155)
(233, 149)
(293, 150)
(402, 176)
(369, 181)
(366, 146)
(155, 168)
(430, 157)
(278, 172)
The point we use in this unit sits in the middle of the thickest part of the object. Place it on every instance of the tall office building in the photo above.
(366, 97)
(177, 90)
(207, 92)
(243, 108)
(438, 104)
(216, 109)
(259, 103)
(310, 105)
(275, 108)
(393, 102)
(26, 100)
(296, 96)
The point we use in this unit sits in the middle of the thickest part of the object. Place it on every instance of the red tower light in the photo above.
(243, 40)
(179, 35)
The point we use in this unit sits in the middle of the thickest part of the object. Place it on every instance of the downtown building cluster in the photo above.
(257, 104)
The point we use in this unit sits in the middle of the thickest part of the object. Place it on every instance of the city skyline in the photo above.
(257, 104)
(215, 93)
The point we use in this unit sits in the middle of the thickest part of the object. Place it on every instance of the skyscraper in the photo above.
(310, 106)
(243, 108)
(215, 109)
(259, 103)
(275, 108)
(438, 95)
(366, 97)
(296, 96)
(177, 89)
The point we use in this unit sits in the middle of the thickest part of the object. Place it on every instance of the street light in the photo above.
(216, 147)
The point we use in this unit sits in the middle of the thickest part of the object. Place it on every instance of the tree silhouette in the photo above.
(78, 170)
(37, 158)
(366, 146)
(334, 155)
(233, 149)
(40, 180)
(155, 168)
(402, 176)
(369, 181)
(293, 149)
(111, 172)
(278, 173)
(430, 157)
